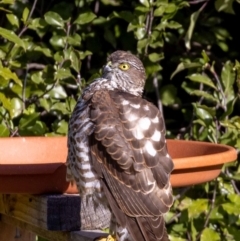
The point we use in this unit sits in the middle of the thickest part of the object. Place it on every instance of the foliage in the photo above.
(50, 50)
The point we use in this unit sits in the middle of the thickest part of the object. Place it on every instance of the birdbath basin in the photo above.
(36, 165)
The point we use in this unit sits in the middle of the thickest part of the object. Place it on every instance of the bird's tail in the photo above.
(147, 228)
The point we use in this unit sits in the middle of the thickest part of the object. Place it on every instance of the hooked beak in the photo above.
(107, 68)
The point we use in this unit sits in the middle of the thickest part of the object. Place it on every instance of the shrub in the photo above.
(50, 50)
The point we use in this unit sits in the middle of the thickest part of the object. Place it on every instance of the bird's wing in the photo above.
(129, 153)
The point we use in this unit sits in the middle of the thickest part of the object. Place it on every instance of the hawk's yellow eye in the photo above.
(124, 66)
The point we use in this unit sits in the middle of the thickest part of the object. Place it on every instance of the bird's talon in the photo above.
(108, 238)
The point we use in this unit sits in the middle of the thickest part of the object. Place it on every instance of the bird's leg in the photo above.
(122, 234)
(112, 231)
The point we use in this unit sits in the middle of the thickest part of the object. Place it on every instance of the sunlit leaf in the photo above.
(13, 19)
(6, 102)
(63, 74)
(193, 21)
(25, 14)
(224, 5)
(144, 2)
(12, 37)
(62, 127)
(197, 207)
(57, 92)
(9, 75)
(205, 57)
(204, 112)
(204, 79)
(84, 18)
(4, 131)
(75, 60)
(168, 95)
(57, 41)
(54, 19)
(204, 94)
(182, 66)
(155, 57)
(74, 40)
(16, 107)
(209, 234)
(28, 120)
(159, 11)
(228, 78)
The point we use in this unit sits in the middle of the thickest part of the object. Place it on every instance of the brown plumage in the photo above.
(121, 137)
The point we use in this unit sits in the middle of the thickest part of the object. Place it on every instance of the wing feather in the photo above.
(129, 152)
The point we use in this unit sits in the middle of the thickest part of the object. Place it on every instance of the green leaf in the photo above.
(84, 18)
(145, 3)
(139, 33)
(8, 75)
(159, 11)
(37, 77)
(7, 2)
(170, 8)
(193, 21)
(172, 238)
(182, 66)
(204, 112)
(228, 78)
(202, 79)
(230, 108)
(234, 198)
(155, 57)
(209, 234)
(28, 120)
(62, 74)
(198, 206)
(5, 102)
(231, 208)
(4, 131)
(74, 40)
(84, 54)
(70, 104)
(126, 15)
(58, 92)
(225, 6)
(62, 127)
(141, 44)
(46, 51)
(25, 14)
(205, 57)
(168, 95)
(59, 108)
(75, 60)
(37, 23)
(54, 19)
(204, 94)
(200, 122)
(13, 19)
(12, 37)
(57, 41)
(16, 107)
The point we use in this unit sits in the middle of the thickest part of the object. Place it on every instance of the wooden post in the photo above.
(54, 217)
(10, 233)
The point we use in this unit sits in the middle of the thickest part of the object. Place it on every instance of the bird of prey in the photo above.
(117, 151)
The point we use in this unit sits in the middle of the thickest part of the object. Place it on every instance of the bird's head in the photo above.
(125, 71)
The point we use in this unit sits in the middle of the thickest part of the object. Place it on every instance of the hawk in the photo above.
(117, 151)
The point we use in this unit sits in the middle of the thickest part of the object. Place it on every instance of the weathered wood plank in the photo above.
(55, 212)
(10, 233)
(53, 235)
(52, 212)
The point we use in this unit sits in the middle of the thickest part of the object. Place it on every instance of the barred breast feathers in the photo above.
(79, 167)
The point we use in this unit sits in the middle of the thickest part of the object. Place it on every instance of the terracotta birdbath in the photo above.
(36, 165)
